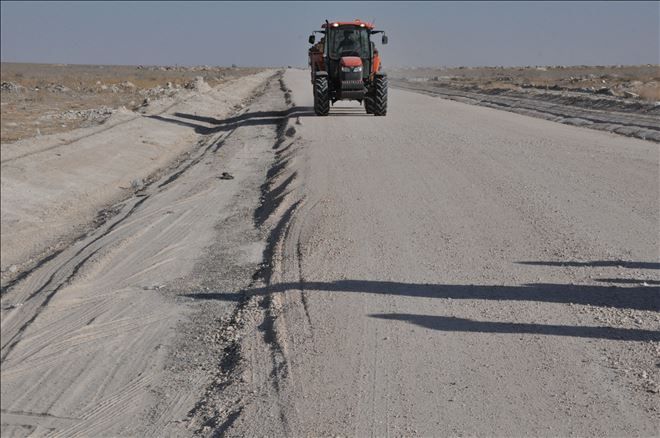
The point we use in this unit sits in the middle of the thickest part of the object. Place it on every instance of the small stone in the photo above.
(137, 184)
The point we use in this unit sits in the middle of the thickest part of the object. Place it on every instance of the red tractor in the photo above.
(346, 66)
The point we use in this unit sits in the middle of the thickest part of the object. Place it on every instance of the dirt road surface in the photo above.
(443, 273)
(445, 270)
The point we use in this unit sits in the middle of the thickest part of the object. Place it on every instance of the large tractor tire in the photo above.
(380, 96)
(369, 105)
(321, 96)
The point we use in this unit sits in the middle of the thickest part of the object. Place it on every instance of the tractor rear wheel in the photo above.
(321, 96)
(380, 96)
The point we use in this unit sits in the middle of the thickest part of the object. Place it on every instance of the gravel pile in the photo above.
(57, 88)
(94, 114)
(98, 115)
(10, 87)
(198, 84)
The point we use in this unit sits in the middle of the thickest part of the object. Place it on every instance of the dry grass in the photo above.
(80, 77)
(650, 91)
(641, 80)
(37, 108)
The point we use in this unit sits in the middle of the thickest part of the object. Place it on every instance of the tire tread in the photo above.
(380, 96)
(321, 96)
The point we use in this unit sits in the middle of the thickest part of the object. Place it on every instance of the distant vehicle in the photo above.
(346, 65)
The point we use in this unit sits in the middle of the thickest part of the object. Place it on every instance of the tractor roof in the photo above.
(356, 22)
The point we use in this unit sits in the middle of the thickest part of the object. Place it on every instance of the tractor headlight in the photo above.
(351, 69)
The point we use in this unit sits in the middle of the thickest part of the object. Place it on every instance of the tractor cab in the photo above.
(347, 64)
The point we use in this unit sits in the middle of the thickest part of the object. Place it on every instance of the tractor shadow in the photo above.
(348, 111)
(255, 118)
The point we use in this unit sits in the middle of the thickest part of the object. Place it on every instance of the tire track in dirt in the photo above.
(640, 125)
(62, 275)
(95, 301)
(255, 314)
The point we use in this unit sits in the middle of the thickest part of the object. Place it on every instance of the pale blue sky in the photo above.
(275, 33)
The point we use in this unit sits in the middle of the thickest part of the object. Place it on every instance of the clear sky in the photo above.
(275, 33)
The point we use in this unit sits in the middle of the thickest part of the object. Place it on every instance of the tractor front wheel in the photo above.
(321, 96)
(379, 105)
(369, 105)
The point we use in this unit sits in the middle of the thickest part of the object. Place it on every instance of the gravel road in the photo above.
(448, 269)
(458, 270)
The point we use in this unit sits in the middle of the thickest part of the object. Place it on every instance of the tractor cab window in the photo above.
(348, 42)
